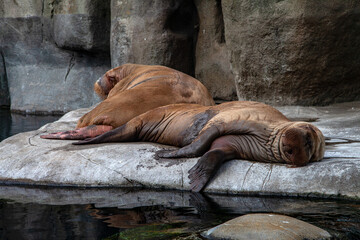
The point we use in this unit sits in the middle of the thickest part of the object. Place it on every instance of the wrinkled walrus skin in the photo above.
(233, 130)
(132, 89)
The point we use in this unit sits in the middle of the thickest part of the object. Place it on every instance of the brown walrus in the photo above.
(132, 89)
(233, 130)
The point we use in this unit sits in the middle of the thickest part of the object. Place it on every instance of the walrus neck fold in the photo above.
(274, 141)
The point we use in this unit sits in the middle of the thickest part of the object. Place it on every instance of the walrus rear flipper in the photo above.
(125, 133)
(79, 134)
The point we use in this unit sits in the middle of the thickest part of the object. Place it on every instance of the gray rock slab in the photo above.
(289, 52)
(38, 72)
(212, 58)
(26, 158)
(266, 226)
(153, 32)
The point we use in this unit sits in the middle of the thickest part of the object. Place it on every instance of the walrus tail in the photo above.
(79, 134)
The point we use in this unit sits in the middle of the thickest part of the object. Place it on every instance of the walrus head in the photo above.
(301, 143)
(105, 83)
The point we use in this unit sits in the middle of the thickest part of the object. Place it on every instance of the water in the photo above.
(11, 123)
(71, 213)
(60, 213)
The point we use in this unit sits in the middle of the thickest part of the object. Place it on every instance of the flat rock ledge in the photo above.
(27, 159)
(266, 226)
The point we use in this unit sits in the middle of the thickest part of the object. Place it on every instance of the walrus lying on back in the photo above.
(132, 89)
(233, 130)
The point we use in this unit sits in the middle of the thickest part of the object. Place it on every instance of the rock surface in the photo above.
(301, 52)
(87, 25)
(294, 52)
(212, 60)
(27, 159)
(153, 32)
(41, 75)
(266, 226)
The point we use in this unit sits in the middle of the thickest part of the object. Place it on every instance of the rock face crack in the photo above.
(42, 20)
(132, 182)
(267, 178)
(242, 186)
(182, 177)
(29, 139)
(14, 28)
(71, 65)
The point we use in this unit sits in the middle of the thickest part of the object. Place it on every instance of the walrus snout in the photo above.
(99, 89)
(301, 143)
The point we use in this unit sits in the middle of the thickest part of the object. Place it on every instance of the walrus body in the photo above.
(132, 89)
(233, 130)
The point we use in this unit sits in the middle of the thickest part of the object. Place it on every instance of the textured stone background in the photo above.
(291, 52)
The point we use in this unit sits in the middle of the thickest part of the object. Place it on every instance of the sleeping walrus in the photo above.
(233, 130)
(132, 89)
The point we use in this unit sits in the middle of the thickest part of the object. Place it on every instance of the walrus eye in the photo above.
(287, 150)
(111, 79)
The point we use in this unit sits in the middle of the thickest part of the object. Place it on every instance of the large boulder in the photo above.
(266, 227)
(212, 59)
(42, 77)
(294, 52)
(27, 159)
(82, 25)
(155, 32)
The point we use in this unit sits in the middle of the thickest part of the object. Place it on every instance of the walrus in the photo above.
(132, 89)
(232, 130)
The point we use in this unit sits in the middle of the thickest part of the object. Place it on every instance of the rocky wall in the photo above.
(157, 32)
(299, 52)
(213, 67)
(52, 53)
(290, 52)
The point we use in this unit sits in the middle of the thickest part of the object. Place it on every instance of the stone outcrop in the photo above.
(294, 52)
(266, 226)
(42, 74)
(213, 67)
(82, 25)
(153, 32)
(27, 159)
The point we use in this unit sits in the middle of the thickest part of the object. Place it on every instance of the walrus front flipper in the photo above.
(206, 167)
(198, 147)
(79, 134)
(220, 151)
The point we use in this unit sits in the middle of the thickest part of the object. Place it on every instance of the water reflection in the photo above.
(11, 123)
(5, 123)
(30, 213)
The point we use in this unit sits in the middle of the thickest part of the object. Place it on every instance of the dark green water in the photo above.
(59, 213)
(67, 213)
(11, 124)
